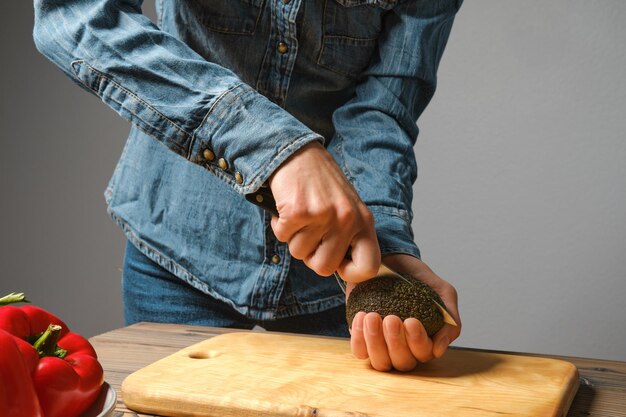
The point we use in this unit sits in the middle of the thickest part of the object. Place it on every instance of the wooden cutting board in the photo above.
(259, 374)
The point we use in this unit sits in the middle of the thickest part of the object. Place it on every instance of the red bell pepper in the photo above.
(17, 393)
(64, 366)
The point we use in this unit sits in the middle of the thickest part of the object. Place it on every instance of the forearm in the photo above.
(157, 82)
(376, 130)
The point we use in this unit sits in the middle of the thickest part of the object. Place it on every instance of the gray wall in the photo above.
(520, 202)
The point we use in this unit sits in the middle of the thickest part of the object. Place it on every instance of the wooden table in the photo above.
(602, 390)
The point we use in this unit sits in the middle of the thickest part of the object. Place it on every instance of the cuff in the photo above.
(393, 228)
(245, 137)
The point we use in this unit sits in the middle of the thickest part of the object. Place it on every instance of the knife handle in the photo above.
(264, 198)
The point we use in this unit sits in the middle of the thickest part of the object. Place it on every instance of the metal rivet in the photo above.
(238, 178)
(222, 164)
(208, 154)
(275, 259)
(282, 47)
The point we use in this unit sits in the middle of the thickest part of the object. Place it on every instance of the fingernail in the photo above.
(412, 327)
(392, 327)
(373, 327)
(442, 345)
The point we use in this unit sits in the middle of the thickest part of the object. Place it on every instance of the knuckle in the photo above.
(320, 266)
(280, 233)
(296, 213)
(343, 210)
(297, 252)
(367, 216)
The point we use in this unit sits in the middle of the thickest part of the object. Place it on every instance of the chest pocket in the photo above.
(350, 32)
(237, 17)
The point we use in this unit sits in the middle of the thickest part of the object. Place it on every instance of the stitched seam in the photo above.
(394, 250)
(147, 123)
(350, 73)
(209, 25)
(392, 211)
(351, 39)
(132, 95)
(160, 19)
(271, 166)
(225, 108)
(284, 149)
(205, 119)
(383, 4)
(310, 307)
(344, 164)
(190, 278)
(319, 57)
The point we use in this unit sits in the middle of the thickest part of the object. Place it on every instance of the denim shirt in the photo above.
(221, 92)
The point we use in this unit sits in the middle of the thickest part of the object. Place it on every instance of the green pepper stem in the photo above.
(13, 298)
(46, 345)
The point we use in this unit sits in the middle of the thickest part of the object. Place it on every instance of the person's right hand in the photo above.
(320, 216)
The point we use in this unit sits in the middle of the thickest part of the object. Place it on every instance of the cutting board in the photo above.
(259, 374)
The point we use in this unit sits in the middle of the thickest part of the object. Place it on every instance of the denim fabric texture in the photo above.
(219, 93)
(152, 293)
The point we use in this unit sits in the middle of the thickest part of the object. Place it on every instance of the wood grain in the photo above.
(277, 375)
(602, 391)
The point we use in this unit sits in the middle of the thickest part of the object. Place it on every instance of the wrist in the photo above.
(296, 158)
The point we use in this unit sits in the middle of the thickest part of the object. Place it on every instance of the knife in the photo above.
(263, 198)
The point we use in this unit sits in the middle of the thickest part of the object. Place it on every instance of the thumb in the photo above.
(364, 262)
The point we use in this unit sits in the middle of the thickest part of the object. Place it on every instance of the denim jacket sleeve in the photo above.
(376, 130)
(198, 109)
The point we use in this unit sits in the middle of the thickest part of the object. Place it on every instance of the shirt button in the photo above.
(238, 178)
(223, 164)
(208, 154)
(258, 198)
(275, 259)
(286, 1)
(282, 47)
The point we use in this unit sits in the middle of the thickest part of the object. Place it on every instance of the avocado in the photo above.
(403, 296)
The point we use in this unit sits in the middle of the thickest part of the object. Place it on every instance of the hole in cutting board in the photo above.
(205, 354)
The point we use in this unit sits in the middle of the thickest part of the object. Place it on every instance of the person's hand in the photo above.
(321, 216)
(389, 342)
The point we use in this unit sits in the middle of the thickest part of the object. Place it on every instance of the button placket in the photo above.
(282, 48)
(280, 56)
(208, 154)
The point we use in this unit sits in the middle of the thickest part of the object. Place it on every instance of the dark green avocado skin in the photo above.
(391, 295)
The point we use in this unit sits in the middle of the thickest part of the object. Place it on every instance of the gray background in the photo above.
(520, 202)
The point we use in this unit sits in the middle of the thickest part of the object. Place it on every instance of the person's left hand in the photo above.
(389, 342)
